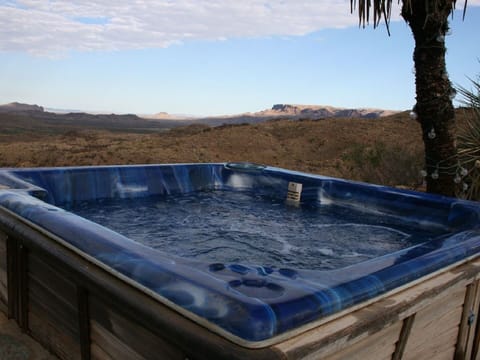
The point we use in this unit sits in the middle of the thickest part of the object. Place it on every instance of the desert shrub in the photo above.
(384, 163)
(469, 144)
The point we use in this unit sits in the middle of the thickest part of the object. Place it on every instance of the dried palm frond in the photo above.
(383, 9)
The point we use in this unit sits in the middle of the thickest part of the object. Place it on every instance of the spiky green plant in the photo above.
(469, 142)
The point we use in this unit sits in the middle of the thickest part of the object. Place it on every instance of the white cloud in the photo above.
(52, 28)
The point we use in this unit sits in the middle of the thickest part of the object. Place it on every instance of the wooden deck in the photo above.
(16, 345)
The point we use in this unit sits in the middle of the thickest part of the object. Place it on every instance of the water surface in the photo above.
(239, 227)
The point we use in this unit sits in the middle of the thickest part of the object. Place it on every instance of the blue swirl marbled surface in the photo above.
(251, 302)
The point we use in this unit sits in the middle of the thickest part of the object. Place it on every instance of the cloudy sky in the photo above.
(211, 57)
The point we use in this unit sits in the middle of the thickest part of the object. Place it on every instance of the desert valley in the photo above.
(367, 145)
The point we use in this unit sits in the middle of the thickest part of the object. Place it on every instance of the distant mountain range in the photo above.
(25, 116)
(17, 107)
(296, 112)
(321, 112)
(164, 120)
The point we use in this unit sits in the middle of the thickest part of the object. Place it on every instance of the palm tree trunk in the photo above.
(434, 91)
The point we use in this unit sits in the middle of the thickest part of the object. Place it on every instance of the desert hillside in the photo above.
(384, 150)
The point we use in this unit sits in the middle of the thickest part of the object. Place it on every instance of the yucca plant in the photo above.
(469, 143)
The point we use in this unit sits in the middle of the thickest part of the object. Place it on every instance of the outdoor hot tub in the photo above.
(235, 260)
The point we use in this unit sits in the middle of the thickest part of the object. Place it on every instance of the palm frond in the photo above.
(383, 9)
(380, 8)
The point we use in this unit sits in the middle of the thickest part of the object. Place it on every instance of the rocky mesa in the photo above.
(315, 112)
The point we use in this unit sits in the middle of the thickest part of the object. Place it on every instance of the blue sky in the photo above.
(213, 57)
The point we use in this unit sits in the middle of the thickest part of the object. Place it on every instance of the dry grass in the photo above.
(386, 150)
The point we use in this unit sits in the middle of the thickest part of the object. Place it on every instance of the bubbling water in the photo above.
(240, 227)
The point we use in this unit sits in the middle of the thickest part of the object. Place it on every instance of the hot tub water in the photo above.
(241, 227)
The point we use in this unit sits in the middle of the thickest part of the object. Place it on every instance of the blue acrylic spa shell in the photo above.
(244, 301)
